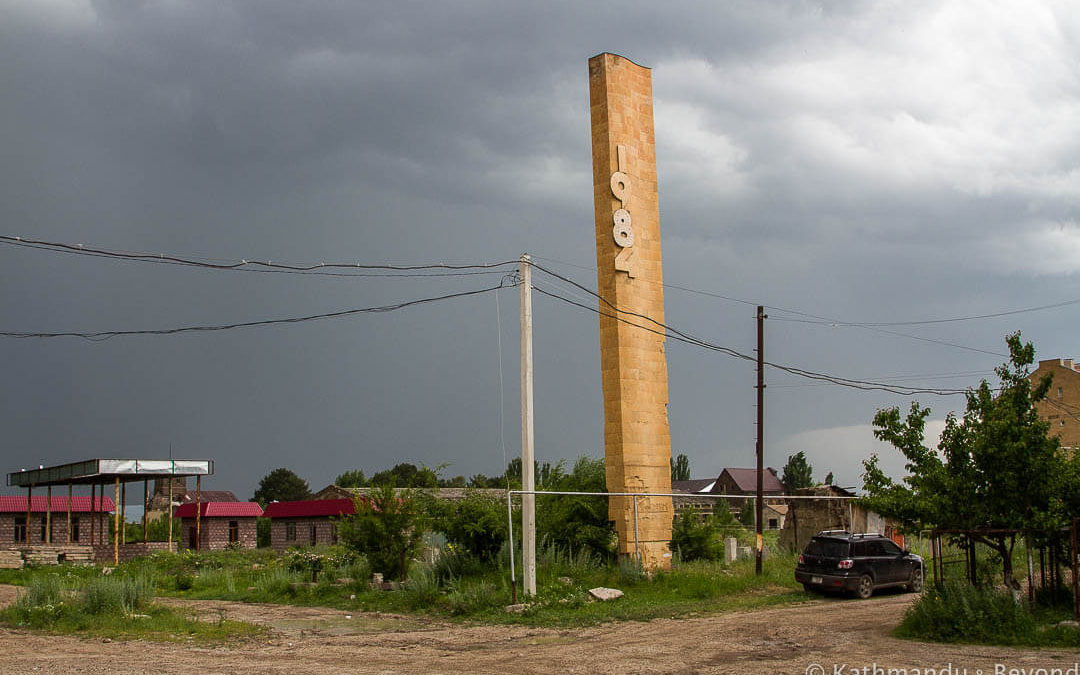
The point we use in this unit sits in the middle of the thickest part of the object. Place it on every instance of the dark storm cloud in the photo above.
(854, 161)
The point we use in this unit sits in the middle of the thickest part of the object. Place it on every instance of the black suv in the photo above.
(837, 560)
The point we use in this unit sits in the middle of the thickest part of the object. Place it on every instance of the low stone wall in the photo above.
(46, 555)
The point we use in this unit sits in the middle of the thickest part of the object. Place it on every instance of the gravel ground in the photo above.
(837, 636)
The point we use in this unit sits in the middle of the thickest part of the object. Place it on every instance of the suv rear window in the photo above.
(827, 548)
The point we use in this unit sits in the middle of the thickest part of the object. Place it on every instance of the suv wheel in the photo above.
(865, 588)
(915, 585)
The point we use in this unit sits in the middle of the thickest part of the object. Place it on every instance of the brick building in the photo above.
(305, 523)
(221, 524)
(1061, 407)
(45, 517)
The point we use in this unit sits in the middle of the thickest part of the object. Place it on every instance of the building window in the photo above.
(234, 531)
(773, 524)
(290, 531)
(1059, 392)
(74, 528)
(20, 528)
(314, 534)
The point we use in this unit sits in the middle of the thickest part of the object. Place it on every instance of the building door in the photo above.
(193, 541)
(314, 534)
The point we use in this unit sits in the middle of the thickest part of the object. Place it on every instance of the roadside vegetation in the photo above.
(118, 606)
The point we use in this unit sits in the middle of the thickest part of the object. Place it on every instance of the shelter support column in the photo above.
(116, 521)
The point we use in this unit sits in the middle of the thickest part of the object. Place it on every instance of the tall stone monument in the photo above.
(637, 441)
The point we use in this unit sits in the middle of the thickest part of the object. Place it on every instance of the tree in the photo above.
(680, 467)
(281, 485)
(697, 536)
(387, 527)
(477, 523)
(747, 514)
(797, 473)
(406, 475)
(829, 479)
(577, 522)
(995, 470)
(352, 479)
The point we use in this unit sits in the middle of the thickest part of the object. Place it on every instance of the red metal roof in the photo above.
(220, 510)
(38, 503)
(310, 508)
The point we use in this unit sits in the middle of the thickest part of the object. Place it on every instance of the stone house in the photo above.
(305, 523)
(49, 523)
(731, 481)
(1061, 407)
(836, 510)
(221, 524)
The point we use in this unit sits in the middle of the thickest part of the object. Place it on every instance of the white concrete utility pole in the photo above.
(528, 480)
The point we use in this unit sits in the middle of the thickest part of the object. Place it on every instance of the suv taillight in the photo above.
(846, 564)
(802, 558)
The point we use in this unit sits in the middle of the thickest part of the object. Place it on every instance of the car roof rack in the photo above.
(826, 532)
(868, 534)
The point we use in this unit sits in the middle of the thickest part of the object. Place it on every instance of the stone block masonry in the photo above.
(637, 441)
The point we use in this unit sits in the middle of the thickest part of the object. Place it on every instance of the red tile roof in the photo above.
(38, 503)
(310, 508)
(220, 510)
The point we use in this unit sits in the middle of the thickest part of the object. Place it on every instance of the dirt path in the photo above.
(324, 642)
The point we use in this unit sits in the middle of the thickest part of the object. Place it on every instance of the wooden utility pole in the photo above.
(48, 515)
(759, 506)
(528, 480)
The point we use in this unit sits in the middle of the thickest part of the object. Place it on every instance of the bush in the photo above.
(421, 590)
(696, 536)
(474, 597)
(959, 612)
(476, 523)
(112, 594)
(578, 523)
(386, 528)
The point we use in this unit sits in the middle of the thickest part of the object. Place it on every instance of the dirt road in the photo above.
(829, 633)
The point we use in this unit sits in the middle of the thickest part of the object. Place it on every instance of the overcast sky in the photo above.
(862, 162)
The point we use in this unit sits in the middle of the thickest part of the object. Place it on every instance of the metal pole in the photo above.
(116, 522)
(198, 512)
(145, 506)
(172, 471)
(510, 523)
(528, 480)
(48, 514)
(759, 502)
(637, 549)
(29, 497)
(123, 513)
(93, 516)
(69, 515)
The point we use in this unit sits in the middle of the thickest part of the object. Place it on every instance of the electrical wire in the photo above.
(105, 335)
(681, 336)
(245, 265)
(821, 320)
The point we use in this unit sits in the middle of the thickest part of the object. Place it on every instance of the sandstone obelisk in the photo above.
(637, 441)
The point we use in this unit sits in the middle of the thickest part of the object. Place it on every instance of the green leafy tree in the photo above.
(995, 468)
(281, 485)
(406, 475)
(477, 523)
(829, 479)
(352, 479)
(747, 516)
(696, 536)
(387, 527)
(680, 467)
(797, 473)
(455, 482)
(578, 522)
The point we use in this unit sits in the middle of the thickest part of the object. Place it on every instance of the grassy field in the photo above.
(456, 588)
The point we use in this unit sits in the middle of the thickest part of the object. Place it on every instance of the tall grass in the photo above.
(959, 612)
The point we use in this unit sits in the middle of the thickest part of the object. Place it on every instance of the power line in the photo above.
(244, 265)
(822, 320)
(680, 336)
(105, 335)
